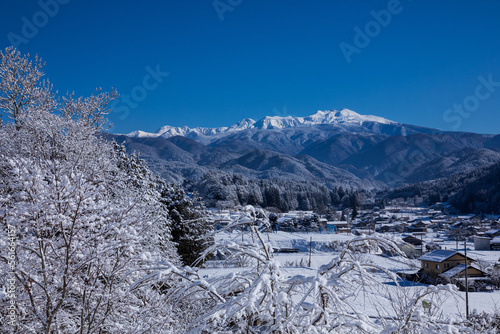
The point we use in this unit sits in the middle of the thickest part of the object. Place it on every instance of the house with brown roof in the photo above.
(458, 272)
(412, 240)
(417, 226)
(439, 261)
(447, 266)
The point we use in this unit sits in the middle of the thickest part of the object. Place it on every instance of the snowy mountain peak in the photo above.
(244, 124)
(278, 122)
(343, 116)
(320, 117)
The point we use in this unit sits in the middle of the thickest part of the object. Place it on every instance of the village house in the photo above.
(419, 226)
(495, 243)
(492, 233)
(391, 227)
(481, 243)
(408, 249)
(338, 227)
(412, 240)
(455, 274)
(440, 261)
(322, 223)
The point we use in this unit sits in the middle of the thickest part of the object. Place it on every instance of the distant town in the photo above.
(431, 235)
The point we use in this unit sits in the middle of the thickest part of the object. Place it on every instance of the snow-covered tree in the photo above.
(22, 89)
(265, 298)
(185, 225)
(189, 226)
(86, 240)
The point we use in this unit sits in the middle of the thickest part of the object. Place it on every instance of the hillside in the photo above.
(326, 150)
(475, 191)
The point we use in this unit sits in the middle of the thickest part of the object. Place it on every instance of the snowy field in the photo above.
(371, 302)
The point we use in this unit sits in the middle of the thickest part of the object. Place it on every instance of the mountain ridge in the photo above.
(207, 134)
(308, 159)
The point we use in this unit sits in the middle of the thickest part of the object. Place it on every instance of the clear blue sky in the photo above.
(269, 58)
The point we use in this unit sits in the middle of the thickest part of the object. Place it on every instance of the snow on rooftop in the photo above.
(454, 271)
(438, 255)
(339, 222)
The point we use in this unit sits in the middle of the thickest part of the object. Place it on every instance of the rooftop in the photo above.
(457, 270)
(438, 255)
(454, 271)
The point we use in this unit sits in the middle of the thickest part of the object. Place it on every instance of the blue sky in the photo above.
(232, 59)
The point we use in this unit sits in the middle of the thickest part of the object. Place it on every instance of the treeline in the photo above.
(228, 190)
(477, 191)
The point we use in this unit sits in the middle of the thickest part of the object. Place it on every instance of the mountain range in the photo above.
(348, 119)
(309, 157)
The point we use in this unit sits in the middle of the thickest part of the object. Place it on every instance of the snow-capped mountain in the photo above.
(343, 117)
(346, 116)
(307, 158)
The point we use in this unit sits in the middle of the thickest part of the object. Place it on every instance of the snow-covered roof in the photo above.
(495, 240)
(458, 269)
(408, 272)
(454, 271)
(341, 222)
(492, 231)
(438, 255)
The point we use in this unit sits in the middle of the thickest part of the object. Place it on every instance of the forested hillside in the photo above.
(474, 191)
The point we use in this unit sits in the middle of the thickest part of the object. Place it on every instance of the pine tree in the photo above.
(343, 217)
(354, 210)
(189, 226)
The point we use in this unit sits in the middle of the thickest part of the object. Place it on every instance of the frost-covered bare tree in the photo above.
(91, 110)
(22, 89)
(87, 242)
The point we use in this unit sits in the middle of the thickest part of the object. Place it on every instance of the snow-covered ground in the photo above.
(296, 240)
(371, 302)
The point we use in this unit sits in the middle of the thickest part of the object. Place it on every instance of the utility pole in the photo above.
(466, 282)
(310, 250)
(421, 244)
